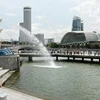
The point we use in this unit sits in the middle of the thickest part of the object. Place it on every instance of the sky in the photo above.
(53, 18)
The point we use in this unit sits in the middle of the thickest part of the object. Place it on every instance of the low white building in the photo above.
(48, 41)
(40, 37)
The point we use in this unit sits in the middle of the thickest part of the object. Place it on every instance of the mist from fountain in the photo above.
(33, 40)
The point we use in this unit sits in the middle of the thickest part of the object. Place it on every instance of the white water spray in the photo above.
(32, 39)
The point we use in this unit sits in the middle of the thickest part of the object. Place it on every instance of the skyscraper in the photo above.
(77, 24)
(27, 18)
(21, 33)
(0, 21)
(25, 24)
(82, 27)
(40, 37)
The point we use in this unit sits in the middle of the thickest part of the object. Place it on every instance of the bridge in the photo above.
(34, 51)
(57, 55)
(24, 48)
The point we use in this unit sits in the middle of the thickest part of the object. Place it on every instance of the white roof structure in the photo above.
(79, 36)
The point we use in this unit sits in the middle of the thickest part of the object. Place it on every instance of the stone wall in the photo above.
(10, 62)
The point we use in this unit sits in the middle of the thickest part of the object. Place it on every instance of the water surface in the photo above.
(74, 81)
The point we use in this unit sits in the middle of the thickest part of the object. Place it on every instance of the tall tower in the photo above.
(0, 31)
(27, 18)
(77, 24)
(40, 37)
(25, 24)
(0, 21)
(21, 34)
(82, 26)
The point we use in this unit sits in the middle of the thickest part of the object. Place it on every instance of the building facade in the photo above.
(77, 24)
(21, 33)
(23, 37)
(0, 31)
(0, 21)
(49, 40)
(79, 37)
(40, 37)
(27, 18)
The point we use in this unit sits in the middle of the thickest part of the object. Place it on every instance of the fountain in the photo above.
(32, 39)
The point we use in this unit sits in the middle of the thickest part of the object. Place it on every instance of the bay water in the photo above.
(71, 81)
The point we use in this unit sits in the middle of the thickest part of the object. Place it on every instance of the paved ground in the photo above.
(15, 95)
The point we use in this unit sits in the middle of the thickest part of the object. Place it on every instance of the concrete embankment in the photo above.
(15, 95)
(11, 62)
(4, 75)
(8, 65)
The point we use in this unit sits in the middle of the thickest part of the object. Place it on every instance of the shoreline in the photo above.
(26, 92)
(35, 95)
(12, 80)
(15, 95)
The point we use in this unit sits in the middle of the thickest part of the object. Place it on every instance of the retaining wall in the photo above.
(11, 62)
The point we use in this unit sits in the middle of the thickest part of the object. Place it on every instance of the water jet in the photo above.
(32, 39)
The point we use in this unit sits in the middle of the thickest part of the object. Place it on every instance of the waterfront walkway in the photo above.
(81, 56)
(15, 95)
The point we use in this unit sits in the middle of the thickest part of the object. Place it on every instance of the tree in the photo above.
(53, 45)
(82, 45)
(96, 46)
(73, 46)
(78, 45)
(68, 46)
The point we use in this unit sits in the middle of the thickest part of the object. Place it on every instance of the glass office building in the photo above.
(77, 24)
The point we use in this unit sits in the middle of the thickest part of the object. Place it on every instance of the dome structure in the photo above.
(79, 36)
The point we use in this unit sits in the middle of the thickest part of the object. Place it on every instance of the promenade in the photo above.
(15, 95)
(82, 55)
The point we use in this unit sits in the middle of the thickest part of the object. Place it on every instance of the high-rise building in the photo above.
(25, 24)
(40, 37)
(77, 24)
(21, 33)
(82, 27)
(0, 21)
(48, 41)
(0, 31)
(27, 18)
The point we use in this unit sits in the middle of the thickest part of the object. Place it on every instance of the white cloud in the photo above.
(10, 34)
(36, 24)
(89, 10)
(40, 17)
(86, 7)
(36, 27)
(10, 14)
(49, 32)
(57, 34)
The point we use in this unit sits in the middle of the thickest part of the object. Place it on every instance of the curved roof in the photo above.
(79, 36)
(27, 7)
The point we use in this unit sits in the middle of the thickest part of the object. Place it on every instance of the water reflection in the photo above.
(74, 81)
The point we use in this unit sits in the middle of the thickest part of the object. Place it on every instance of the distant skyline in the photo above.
(53, 18)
